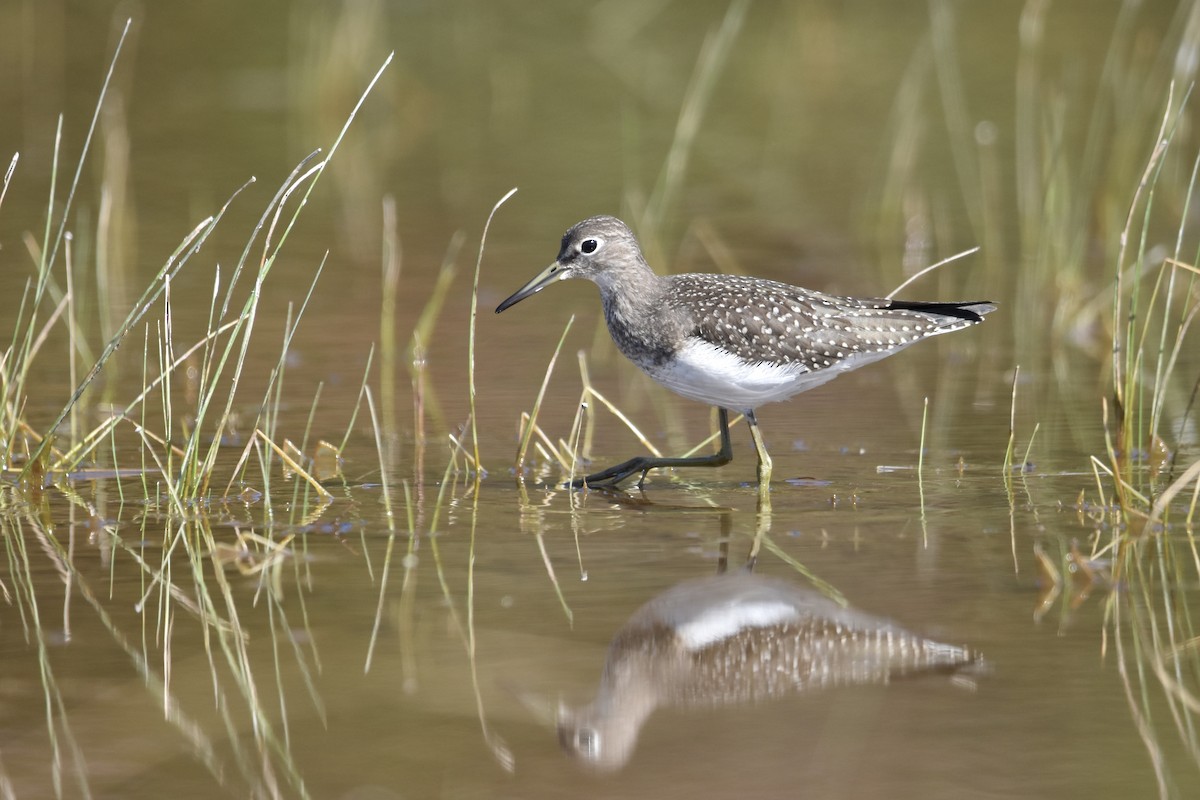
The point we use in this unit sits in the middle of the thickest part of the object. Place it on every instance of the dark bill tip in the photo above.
(543, 279)
(517, 297)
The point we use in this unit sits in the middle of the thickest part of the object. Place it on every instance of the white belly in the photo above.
(728, 619)
(704, 372)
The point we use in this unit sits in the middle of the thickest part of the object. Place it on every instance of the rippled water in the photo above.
(334, 650)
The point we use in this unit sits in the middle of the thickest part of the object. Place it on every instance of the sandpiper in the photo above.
(731, 341)
(741, 638)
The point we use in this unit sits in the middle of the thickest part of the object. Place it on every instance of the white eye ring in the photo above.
(590, 245)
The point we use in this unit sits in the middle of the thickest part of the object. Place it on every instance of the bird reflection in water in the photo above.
(738, 638)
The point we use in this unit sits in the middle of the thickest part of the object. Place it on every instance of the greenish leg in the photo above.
(764, 458)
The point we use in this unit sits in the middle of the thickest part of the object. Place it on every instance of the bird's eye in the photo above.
(589, 246)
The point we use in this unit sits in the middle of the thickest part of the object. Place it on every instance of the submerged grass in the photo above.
(1077, 250)
(175, 459)
(1152, 628)
(1151, 334)
(209, 523)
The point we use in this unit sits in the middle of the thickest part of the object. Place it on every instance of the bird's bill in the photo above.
(552, 273)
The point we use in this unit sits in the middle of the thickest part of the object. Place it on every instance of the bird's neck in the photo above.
(636, 312)
(634, 290)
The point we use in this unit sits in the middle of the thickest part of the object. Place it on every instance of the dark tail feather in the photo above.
(972, 311)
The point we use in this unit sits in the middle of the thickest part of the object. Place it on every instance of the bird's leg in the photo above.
(762, 528)
(643, 464)
(723, 541)
(764, 458)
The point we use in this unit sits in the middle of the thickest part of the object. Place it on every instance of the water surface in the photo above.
(374, 659)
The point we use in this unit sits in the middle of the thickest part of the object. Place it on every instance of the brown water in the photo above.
(826, 155)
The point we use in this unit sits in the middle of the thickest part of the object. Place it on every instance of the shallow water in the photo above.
(379, 660)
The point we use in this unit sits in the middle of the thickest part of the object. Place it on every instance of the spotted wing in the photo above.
(771, 322)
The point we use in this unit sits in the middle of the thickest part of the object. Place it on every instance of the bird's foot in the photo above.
(609, 478)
